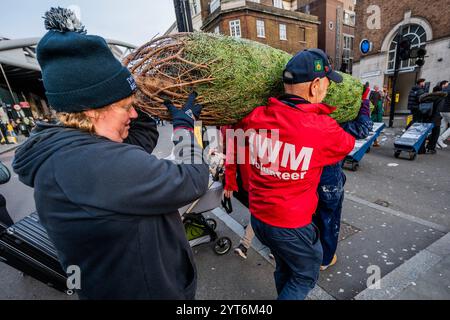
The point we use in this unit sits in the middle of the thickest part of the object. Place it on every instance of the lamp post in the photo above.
(397, 62)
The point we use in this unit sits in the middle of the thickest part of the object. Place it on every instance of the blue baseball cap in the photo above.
(308, 65)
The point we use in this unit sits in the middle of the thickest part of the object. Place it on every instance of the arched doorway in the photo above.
(418, 37)
(408, 74)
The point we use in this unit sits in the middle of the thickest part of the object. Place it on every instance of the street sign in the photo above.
(365, 46)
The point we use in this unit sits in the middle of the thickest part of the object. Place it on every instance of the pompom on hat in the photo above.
(79, 71)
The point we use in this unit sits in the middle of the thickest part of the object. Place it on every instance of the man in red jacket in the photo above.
(288, 142)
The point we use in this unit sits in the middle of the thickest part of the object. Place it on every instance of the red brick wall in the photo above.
(437, 13)
(248, 30)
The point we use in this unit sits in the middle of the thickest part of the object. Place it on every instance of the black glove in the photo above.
(185, 117)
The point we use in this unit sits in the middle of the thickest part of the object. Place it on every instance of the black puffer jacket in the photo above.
(413, 97)
(438, 100)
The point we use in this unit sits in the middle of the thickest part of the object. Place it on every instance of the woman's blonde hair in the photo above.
(81, 121)
(77, 120)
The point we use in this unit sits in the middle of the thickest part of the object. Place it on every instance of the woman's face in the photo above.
(114, 121)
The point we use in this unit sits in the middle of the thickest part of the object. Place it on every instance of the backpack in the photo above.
(426, 108)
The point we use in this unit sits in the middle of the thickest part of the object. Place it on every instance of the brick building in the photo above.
(425, 23)
(273, 22)
(337, 29)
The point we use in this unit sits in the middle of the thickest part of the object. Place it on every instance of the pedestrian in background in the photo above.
(376, 97)
(445, 114)
(436, 102)
(413, 100)
(108, 205)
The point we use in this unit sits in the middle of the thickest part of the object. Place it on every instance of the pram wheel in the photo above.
(412, 156)
(212, 223)
(222, 246)
(397, 154)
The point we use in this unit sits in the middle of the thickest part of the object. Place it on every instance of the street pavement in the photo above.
(395, 223)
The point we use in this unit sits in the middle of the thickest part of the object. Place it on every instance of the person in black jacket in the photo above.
(438, 100)
(445, 113)
(108, 205)
(413, 100)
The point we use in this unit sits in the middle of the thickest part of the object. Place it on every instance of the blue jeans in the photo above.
(329, 209)
(297, 254)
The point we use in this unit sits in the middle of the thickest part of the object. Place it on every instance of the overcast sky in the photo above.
(132, 21)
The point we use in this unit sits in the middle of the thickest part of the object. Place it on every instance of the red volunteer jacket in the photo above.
(286, 148)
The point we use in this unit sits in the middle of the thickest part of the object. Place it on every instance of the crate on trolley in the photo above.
(411, 141)
(363, 146)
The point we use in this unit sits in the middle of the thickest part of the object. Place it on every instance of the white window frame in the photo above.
(235, 28)
(283, 31)
(278, 4)
(417, 34)
(217, 30)
(347, 51)
(351, 20)
(260, 29)
(214, 5)
(195, 7)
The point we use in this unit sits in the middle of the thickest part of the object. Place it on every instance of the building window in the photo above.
(260, 29)
(349, 18)
(257, 1)
(278, 4)
(235, 28)
(302, 34)
(195, 7)
(283, 33)
(215, 4)
(217, 30)
(307, 9)
(418, 37)
(347, 53)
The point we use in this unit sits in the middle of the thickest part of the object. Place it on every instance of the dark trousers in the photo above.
(432, 140)
(329, 209)
(298, 255)
(241, 194)
(417, 115)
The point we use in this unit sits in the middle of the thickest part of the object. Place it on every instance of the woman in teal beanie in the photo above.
(108, 205)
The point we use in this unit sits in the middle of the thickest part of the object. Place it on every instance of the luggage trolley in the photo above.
(26, 247)
(362, 146)
(412, 140)
(200, 230)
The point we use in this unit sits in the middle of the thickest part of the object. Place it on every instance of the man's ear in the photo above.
(313, 88)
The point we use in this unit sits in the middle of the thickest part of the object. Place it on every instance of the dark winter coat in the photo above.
(446, 105)
(112, 209)
(413, 97)
(438, 100)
